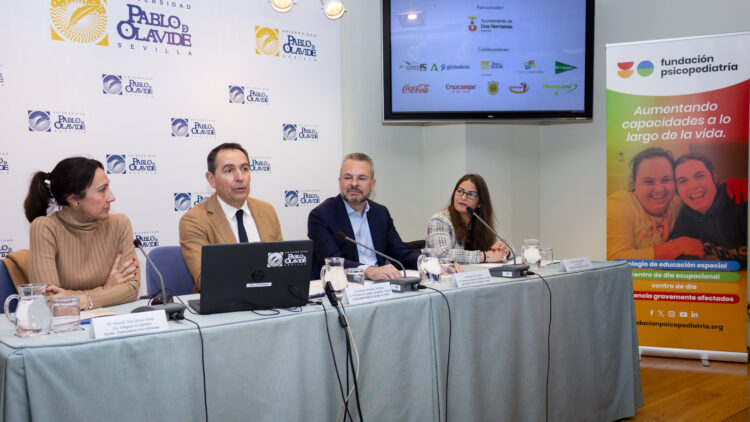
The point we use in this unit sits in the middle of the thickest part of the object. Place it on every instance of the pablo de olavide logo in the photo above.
(116, 164)
(149, 239)
(5, 247)
(83, 22)
(561, 89)
(131, 163)
(239, 94)
(111, 84)
(275, 259)
(39, 121)
(184, 201)
(415, 89)
(561, 67)
(260, 164)
(151, 30)
(460, 88)
(521, 88)
(299, 132)
(4, 165)
(58, 122)
(137, 86)
(296, 198)
(286, 259)
(2, 79)
(413, 66)
(266, 41)
(493, 87)
(201, 128)
(180, 127)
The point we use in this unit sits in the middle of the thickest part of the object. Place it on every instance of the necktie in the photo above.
(241, 227)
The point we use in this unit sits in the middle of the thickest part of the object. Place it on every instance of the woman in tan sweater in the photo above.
(81, 250)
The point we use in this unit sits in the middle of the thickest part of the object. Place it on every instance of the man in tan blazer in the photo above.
(229, 215)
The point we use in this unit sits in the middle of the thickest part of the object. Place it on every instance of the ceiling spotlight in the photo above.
(333, 9)
(282, 6)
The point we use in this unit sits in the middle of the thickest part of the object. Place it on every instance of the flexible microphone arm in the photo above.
(473, 212)
(137, 243)
(343, 236)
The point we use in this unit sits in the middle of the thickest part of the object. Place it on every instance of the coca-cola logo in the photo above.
(416, 89)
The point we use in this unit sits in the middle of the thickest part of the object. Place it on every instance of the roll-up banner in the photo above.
(677, 169)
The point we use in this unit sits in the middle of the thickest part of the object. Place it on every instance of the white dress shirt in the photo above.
(247, 219)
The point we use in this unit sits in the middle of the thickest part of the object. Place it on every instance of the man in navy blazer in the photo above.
(359, 218)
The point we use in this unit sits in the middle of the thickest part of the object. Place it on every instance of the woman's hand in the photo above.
(83, 301)
(499, 246)
(497, 256)
(121, 273)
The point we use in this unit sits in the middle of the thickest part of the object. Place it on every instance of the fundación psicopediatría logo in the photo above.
(644, 68)
(299, 132)
(183, 201)
(151, 30)
(521, 88)
(83, 22)
(285, 43)
(6, 247)
(239, 94)
(200, 128)
(131, 164)
(260, 164)
(286, 259)
(58, 122)
(561, 89)
(561, 67)
(149, 239)
(296, 198)
(131, 85)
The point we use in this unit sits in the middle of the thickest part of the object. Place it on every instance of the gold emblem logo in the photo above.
(81, 21)
(266, 41)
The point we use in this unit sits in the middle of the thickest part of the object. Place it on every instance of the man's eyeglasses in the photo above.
(469, 194)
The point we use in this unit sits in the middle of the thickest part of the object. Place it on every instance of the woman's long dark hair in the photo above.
(476, 236)
(70, 176)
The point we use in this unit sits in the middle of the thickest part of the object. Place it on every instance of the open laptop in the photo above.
(247, 276)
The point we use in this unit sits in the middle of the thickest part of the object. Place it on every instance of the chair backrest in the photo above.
(6, 286)
(416, 245)
(177, 278)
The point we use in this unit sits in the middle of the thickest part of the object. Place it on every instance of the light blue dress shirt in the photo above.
(362, 234)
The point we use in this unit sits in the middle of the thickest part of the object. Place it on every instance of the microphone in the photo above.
(404, 283)
(507, 271)
(331, 294)
(163, 302)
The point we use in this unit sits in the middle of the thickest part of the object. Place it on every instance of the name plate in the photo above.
(471, 278)
(576, 264)
(123, 325)
(365, 294)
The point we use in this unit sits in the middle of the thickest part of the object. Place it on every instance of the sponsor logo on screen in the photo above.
(133, 164)
(529, 66)
(460, 88)
(83, 22)
(472, 23)
(561, 89)
(490, 65)
(260, 164)
(296, 198)
(521, 88)
(561, 67)
(58, 122)
(493, 25)
(200, 128)
(413, 66)
(111, 84)
(183, 201)
(150, 30)
(448, 67)
(149, 239)
(416, 89)
(493, 87)
(239, 94)
(286, 259)
(6, 247)
(285, 43)
(299, 132)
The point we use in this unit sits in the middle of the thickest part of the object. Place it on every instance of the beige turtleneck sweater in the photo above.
(76, 252)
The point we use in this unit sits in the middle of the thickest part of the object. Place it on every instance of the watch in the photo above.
(90, 305)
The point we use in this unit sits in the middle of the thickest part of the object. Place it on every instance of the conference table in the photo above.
(272, 366)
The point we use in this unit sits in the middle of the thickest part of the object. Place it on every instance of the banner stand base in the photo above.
(703, 355)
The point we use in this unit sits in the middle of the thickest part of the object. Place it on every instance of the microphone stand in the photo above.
(506, 271)
(404, 283)
(173, 310)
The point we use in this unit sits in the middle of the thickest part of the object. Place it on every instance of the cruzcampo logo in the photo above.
(266, 41)
(561, 67)
(83, 22)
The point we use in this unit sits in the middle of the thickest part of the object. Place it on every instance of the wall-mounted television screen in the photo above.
(487, 59)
